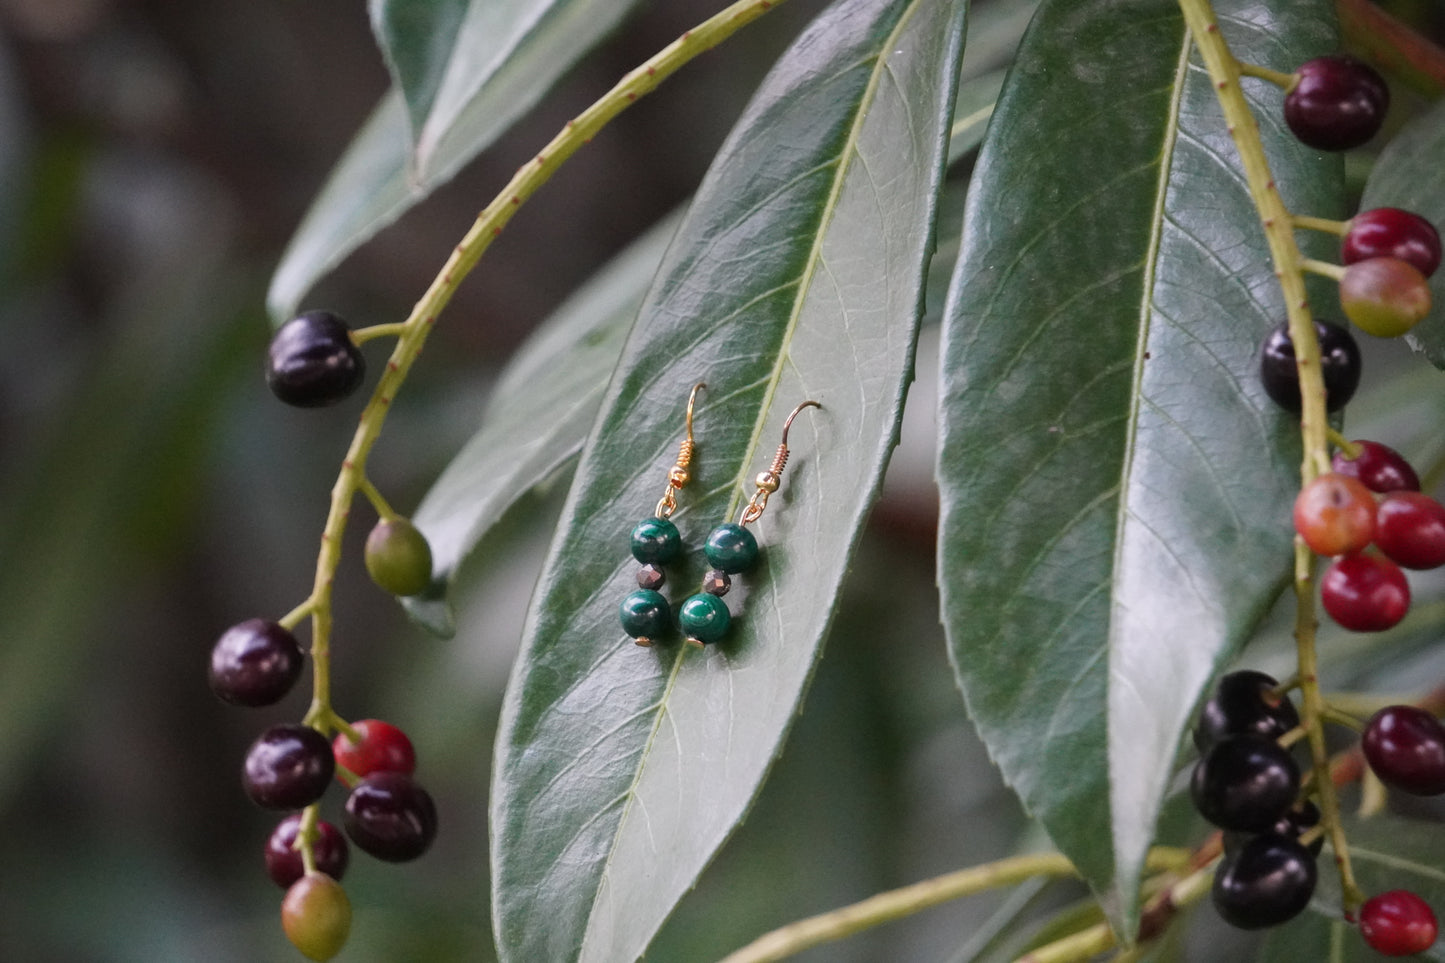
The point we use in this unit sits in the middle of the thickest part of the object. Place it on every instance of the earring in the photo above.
(731, 549)
(645, 614)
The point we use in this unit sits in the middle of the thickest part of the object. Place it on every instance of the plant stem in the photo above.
(1327, 225)
(896, 904)
(1283, 81)
(1322, 268)
(1279, 232)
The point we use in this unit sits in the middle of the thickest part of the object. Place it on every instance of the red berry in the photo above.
(1384, 297)
(1405, 746)
(1398, 923)
(1335, 515)
(1380, 467)
(1391, 232)
(1365, 593)
(382, 748)
(1337, 103)
(283, 861)
(316, 916)
(1410, 528)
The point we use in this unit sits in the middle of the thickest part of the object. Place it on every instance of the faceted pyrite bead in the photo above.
(716, 583)
(650, 577)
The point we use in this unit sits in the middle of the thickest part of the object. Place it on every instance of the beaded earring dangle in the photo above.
(645, 614)
(731, 549)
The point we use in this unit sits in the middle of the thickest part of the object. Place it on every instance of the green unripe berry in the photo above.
(1384, 296)
(316, 916)
(398, 557)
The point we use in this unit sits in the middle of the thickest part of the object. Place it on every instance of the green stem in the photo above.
(1283, 81)
(899, 903)
(293, 618)
(1337, 228)
(383, 508)
(363, 335)
(1323, 268)
(1348, 448)
(1278, 226)
(412, 333)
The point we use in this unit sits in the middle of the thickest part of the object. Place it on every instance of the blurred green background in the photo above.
(154, 159)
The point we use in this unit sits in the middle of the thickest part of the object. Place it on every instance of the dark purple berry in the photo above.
(1405, 746)
(1268, 881)
(255, 663)
(284, 864)
(1379, 468)
(313, 362)
(1337, 103)
(1244, 702)
(389, 816)
(288, 767)
(1391, 232)
(1245, 783)
(1339, 364)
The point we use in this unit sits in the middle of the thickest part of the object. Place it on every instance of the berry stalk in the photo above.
(1278, 223)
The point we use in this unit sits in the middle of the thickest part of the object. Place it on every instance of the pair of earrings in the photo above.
(730, 550)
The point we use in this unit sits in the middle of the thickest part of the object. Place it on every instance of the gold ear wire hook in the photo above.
(769, 481)
(678, 476)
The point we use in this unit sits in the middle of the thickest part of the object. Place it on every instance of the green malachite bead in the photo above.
(645, 615)
(731, 548)
(704, 618)
(655, 540)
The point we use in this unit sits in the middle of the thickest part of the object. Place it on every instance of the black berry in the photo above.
(1268, 881)
(313, 362)
(1245, 783)
(255, 663)
(1339, 364)
(1337, 103)
(1405, 746)
(288, 767)
(283, 862)
(1244, 702)
(389, 816)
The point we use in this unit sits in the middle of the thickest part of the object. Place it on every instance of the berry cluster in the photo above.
(1371, 498)
(1247, 784)
(315, 361)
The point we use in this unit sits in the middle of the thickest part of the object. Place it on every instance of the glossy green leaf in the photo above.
(506, 56)
(1388, 852)
(418, 38)
(1409, 175)
(1115, 484)
(798, 273)
(543, 407)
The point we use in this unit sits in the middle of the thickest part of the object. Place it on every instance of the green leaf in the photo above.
(543, 407)
(1115, 484)
(1388, 853)
(1409, 175)
(797, 274)
(492, 79)
(418, 38)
